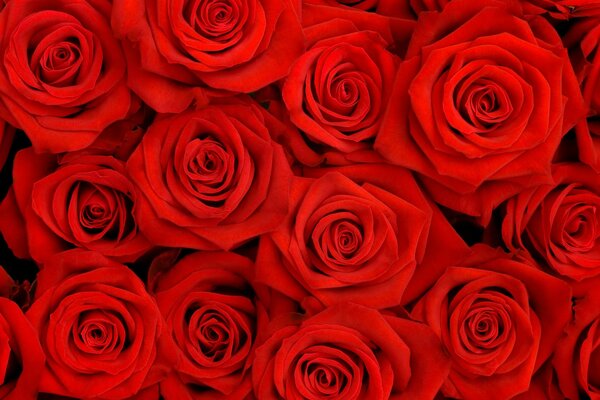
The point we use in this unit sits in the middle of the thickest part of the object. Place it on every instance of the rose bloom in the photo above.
(177, 51)
(560, 222)
(480, 104)
(102, 333)
(337, 91)
(210, 178)
(21, 355)
(348, 352)
(62, 79)
(208, 303)
(75, 200)
(577, 354)
(353, 237)
(498, 318)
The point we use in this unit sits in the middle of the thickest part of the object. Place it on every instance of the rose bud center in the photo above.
(581, 227)
(214, 333)
(206, 161)
(347, 237)
(485, 104)
(214, 18)
(322, 371)
(210, 170)
(99, 332)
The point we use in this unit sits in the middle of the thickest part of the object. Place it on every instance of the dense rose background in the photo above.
(300, 199)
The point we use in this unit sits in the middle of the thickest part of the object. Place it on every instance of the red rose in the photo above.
(101, 331)
(337, 91)
(559, 222)
(208, 304)
(211, 178)
(499, 320)
(480, 104)
(577, 354)
(77, 200)
(358, 241)
(349, 352)
(62, 79)
(177, 48)
(21, 355)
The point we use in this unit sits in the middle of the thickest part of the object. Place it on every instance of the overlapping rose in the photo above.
(300, 199)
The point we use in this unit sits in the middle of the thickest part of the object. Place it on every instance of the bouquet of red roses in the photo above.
(300, 199)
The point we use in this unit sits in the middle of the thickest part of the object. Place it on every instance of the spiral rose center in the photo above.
(214, 333)
(214, 18)
(209, 168)
(60, 64)
(94, 216)
(207, 161)
(97, 210)
(580, 230)
(339, 239)
(347, 95)
(61, 53)
(327, 373)
(325, 380)
(94, 335)
(342, 93)
(60, 56)
(485, 104)
(347, 237)
(346, 91)
(99, 332)
(565, 230)
(483, 326)
(482, 331)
